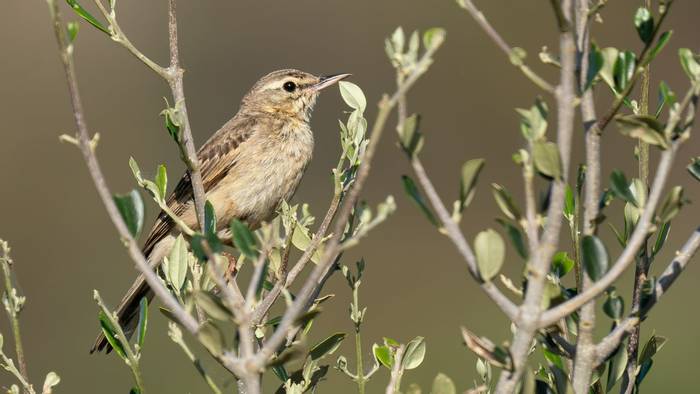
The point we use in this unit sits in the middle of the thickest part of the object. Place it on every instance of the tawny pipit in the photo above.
(249, 166)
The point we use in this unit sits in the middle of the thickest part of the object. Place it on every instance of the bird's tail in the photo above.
(127, 312)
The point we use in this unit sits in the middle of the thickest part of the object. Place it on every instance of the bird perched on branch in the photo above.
(249, 166)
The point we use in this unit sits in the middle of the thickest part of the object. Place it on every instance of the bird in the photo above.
(253, 163)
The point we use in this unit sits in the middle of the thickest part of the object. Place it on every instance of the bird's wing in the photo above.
(216, 158)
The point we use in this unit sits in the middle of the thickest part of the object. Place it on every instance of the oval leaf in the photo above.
(546, 158)
(353, 95)
(414, 354)
(490, 253)
(131, 208)
(595, 256)
(327, 346)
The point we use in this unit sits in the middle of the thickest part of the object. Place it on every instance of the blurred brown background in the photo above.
(415, 283)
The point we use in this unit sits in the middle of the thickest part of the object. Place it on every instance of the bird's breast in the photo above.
(266, 174)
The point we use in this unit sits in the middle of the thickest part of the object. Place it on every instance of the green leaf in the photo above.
(175, 265)
(412, 191)
(621, 187)
(607, 72)
(661, 238)
(652, 347)
(211, 338)
(143, 322)
(110, 334)
(470, 175)
(644, 22)
(618, 364)
(546, 158)
(533, 121)
(414, 354)
(209, 218)
(562, 264)
(434, 37)
(569, 203)
(596, 60)
(162, 180)
(672, 205)
(660, 44)
(505, 202)
(624, 70)
(490, 253)
(383, 355)
(212, 305)
(72, 28)
(595, 257)
(443, 385)
(87, 16)
(694, 168)
(172, 123)
(614, 305)
(131, 208)
(643, 127)
(410, 137)
(243, 239)
(516, 238)
(666, 98)
(327, 346)
(353, 96)
(689, 62)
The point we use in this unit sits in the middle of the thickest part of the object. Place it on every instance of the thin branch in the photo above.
(607, 346)
(457, 237)
(13, 306)
(585, 345)
(177, 89)
(514, 57)
(643, 261)
(530, 310)
(673, 270)
(396, 372)
(132, 359)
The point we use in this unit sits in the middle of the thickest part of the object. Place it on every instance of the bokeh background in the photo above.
(415, 284)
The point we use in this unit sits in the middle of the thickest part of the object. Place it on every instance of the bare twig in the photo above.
(176, 86)
(585, 345)
(512, 54)
(396, 372)
(607, 346)
(642, 266)
(531, 309)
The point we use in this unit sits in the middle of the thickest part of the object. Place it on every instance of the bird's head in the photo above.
(288, 93)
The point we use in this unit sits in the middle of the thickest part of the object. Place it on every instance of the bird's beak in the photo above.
(327, 81)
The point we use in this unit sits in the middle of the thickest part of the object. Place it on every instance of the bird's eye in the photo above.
(289, 86)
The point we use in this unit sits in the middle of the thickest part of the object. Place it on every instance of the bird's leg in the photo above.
(231, 269)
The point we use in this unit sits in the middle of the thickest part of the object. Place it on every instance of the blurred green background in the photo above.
(415, 284)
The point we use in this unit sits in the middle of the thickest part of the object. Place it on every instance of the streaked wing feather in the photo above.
(216, 158)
